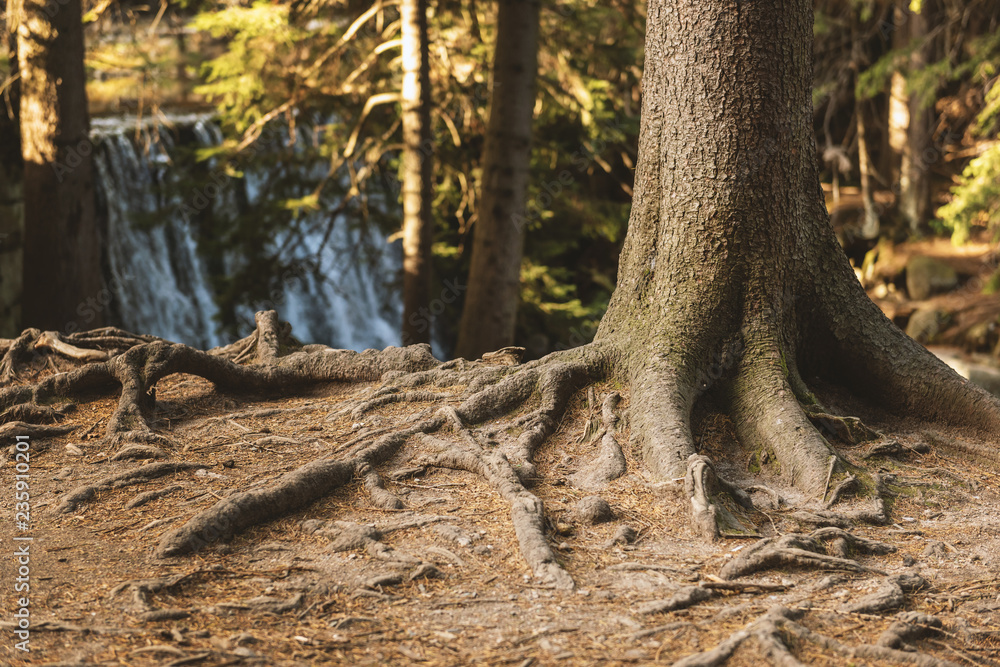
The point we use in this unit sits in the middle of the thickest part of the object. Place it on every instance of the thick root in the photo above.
(778, 625)
(796, 550)
(526, 510)
(890, 595)
(768, 417)
(293, 491)
(660, 417)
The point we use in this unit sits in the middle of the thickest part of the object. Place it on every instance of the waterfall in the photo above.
(163, 284)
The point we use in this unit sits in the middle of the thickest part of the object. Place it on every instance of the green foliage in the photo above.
(258, 38)
(992, 285)
(975, 201)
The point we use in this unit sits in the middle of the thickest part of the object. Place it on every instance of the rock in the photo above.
(456, 535)
(978, 336)
(980, 369)
(926, 323)
(935, 548)
(926, 276)
(593, 510)
(624, 535)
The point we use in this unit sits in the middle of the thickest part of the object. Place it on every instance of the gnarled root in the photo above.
(74, 498)
(526, 509)
(778, 625)
(805, 551)
(714, 501)
(293, 491)
(890, 595)
(609, 464)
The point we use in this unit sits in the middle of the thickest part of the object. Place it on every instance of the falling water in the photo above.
(163, 284)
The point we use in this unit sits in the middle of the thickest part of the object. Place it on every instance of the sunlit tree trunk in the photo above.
(418, 170)
(730, 280)
(870, 224)
(62, 250)
(915, 164)
(490, 312)
(11, 203)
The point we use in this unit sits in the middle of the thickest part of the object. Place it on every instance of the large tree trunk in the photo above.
(11, 204)
(62, 250)
(731, 278)
(418, 170)
(490, 312)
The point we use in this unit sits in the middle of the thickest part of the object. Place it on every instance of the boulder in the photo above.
(926, 276)
(927, 323)
(593, 510)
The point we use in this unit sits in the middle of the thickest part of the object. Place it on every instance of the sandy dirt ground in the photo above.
(442, 581)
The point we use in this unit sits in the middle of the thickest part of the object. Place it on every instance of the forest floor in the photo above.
(451, 587)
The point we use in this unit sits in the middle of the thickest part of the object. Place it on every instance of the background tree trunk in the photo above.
(870, 224)
(418, 170)
(11, 203)
(489, 316)
(915, 172)
(62, 249)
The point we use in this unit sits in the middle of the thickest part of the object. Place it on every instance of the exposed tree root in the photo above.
(464, 423)
(18, 353)
(14, 429)
(610, 461)
(851, 430)
(715, 503)
(807, 551)
(142, 590)
(292, 491)
(778, 625)
(706, 590)
(527, 511)
(890, 595)
(275, 366)
(150, 496)
(85, 346)
(74, 498)
(908, 627)
(685, 597)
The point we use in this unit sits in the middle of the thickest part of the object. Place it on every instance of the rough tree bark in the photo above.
(61, 236)
(731, 286)
(489, 315)
(730, 276)
(418, 172)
